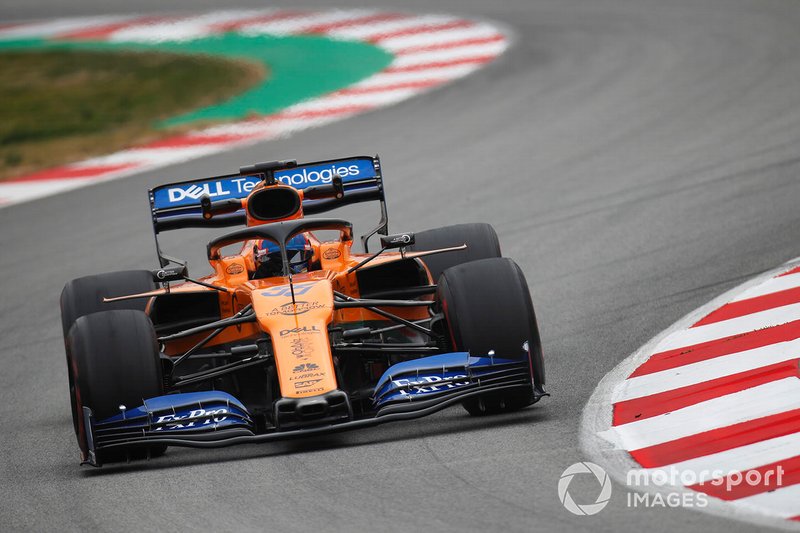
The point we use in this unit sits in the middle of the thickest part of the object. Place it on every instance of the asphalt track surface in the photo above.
(636, 157)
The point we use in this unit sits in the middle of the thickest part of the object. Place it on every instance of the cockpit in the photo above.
(268, 261)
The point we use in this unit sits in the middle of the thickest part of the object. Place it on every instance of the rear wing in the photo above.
(178, 205)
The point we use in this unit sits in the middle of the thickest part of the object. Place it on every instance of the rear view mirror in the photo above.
(176, 273)
(399, 240)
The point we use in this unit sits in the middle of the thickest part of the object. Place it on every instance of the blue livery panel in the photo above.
(188, 194)
(438, 375)
(350, 170)
(193, 411)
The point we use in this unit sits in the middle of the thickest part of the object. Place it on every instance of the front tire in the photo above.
(112, 360)
(84, 296)
(481, 241)
(487, 306)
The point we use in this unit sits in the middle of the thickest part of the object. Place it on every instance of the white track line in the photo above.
(183, 29)
(366, 99)
(440, 73)
(374, 31)
(58, 27)
(450, 54)
(757, 402)
(609, 445)
(703, 371)
(781, 502)
(303, 24)
(778, 284)
(738, 459)
(439, 38)
(42, 188)
(727, 328)
(166, 155)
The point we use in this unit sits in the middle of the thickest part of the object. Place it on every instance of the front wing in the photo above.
(212, 419)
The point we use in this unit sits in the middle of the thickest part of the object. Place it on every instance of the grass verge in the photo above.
(58, 106)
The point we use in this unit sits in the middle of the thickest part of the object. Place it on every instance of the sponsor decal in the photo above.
(331, 253)
(428, 384)
(307, 383)
(403, 238)
(302, 329)
(195, 419)
(234, 269)
(307, 375)
(305, 367)
(302, 177)
(285, 290)
(185, 195)
(166, 273)
(297, 308)
(240, 186)
(325, 175)
(301, 348)
(320, 389)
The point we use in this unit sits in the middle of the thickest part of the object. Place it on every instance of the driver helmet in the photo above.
(267, 256)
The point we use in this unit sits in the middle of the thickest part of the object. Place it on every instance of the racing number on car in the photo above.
(299, 290)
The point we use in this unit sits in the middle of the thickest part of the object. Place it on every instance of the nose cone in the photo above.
(299, 332)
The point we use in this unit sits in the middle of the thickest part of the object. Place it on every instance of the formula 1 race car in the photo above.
(294, 334)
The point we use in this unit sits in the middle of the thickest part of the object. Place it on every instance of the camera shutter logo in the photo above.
(589, 508)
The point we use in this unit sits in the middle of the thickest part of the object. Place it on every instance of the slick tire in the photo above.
(487, 306)
(84, 296)
(112, 360)
(481, 241)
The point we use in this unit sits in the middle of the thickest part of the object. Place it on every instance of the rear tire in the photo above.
(481, 241)
(84, 296)
(487, 306)
(112, 360)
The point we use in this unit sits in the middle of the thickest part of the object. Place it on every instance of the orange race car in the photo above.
(294, 333)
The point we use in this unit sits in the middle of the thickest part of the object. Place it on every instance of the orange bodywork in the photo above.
(299, 330)
(296, 318)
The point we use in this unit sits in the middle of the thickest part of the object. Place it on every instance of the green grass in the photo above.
(58, 106)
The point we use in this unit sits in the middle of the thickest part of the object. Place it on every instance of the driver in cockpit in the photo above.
(267, 257)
